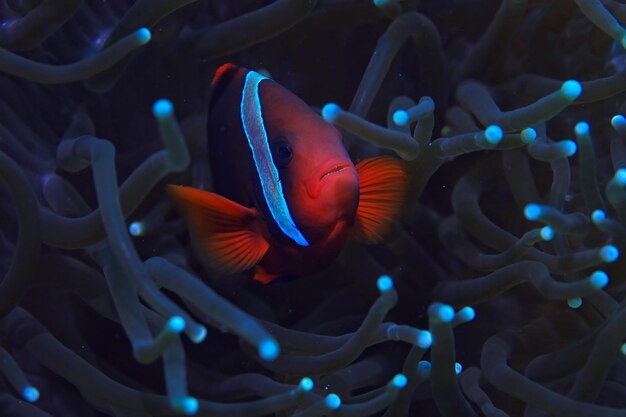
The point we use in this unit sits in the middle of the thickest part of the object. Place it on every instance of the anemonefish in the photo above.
(287, 195)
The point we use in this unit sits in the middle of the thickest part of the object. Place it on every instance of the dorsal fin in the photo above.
(223, 73)
(222, 78)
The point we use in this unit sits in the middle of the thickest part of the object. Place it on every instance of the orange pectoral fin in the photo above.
(224, 229)
(261, 275)
(383, 182)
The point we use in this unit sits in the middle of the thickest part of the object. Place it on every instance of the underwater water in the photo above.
(498, 289)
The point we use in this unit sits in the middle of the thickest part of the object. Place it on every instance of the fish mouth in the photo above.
(335, 169)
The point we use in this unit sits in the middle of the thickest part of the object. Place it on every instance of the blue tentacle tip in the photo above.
(609, 253)
(306, 384)
(199, 335)
(458, 368)
(599, 279)
(571, 89)
(493, 134)
(441, 312)
(424, 339)
(162, 108)
(332, 401)
(136, 229)
(569, 147)
(330, 112)
(144, 35)
(547, 233)
(575, 302)
(424, 368)
(528, 135)
(598, 216)
(399, 381)
(532, 211)
(620, 176)
(618, 121)
(269, 349)
(30, 394)
(176, 324)
(581, 129)
(466, 314)
(186, 405)
(384, 283)
(401, 117)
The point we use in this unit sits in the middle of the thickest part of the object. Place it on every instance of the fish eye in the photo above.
(281, 152)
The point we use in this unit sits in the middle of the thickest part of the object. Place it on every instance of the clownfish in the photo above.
(287, 196)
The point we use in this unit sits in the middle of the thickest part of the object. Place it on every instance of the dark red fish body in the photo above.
(287, 195)
(229, 152)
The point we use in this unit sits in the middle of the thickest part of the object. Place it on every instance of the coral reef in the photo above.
(500, 291)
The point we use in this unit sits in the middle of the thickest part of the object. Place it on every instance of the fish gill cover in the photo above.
(500, 291)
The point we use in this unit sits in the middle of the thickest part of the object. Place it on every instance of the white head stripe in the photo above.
(254, 128)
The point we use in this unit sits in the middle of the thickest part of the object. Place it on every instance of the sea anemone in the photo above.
(498, 292)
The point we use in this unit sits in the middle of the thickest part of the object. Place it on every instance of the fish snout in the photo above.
(339, 191)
